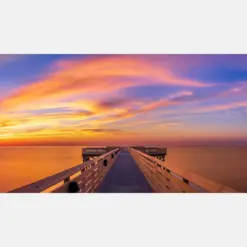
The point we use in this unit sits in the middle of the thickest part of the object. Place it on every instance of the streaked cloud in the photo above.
(104, 131)
(86, 98)
(6, 58)
(90, 76)
(219, 107)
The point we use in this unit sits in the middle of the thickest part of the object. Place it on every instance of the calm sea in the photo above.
(24, 165)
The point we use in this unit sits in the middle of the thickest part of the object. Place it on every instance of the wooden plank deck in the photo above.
(124, 177)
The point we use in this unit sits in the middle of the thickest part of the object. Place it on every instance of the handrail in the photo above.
(165, 176)
(63, 178)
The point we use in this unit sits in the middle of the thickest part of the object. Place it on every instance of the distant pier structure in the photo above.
(91, 152)
(157, 152)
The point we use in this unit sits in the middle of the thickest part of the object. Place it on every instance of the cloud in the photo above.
(103, 130)
(36, 129)
(114, 102)
(6, 123)
(8, 58)
(219, 107)
(129, 113)
(94, 75)
(64, 115)
(236, 90)
(84, 99)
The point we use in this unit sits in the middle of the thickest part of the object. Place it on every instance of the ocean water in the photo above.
(23, 165)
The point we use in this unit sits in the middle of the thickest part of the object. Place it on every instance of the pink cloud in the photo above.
(94, 75)
(219, 107)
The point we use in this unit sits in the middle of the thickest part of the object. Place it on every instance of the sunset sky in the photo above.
(122, 99)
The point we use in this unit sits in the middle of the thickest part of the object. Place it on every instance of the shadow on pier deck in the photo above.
(125, 177)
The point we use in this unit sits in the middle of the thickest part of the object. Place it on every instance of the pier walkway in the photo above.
(125, 177)
(124, 170)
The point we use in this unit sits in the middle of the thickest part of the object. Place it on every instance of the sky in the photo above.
(123, 99)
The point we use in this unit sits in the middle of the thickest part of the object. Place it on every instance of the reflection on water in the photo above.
(23, 165)
(226, 165)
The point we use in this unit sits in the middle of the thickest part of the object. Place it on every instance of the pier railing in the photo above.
(163, 177)
(85, 177)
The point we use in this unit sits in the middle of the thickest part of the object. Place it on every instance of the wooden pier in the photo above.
(125, 177)
(157, 152)
(128, 170)
(93, 152)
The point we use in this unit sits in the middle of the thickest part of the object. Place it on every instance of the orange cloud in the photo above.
(60, 107)
(90, 76)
